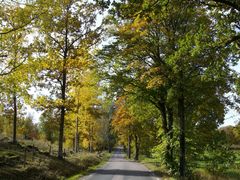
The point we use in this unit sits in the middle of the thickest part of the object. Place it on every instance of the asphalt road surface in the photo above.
(118, 168)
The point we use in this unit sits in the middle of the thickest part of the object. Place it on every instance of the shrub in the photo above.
(219, 159)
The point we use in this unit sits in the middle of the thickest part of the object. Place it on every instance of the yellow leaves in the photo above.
(45, 102)
(152, 77)
(85, 143)
(155, 82)
(139, 24)
(84, 95)
(122, 120)
(78, 63)
(79, 59)
(135, 65)
(134, 30)
(148, 73)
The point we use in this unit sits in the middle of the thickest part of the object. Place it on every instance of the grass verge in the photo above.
(91, 169)
(156, 167)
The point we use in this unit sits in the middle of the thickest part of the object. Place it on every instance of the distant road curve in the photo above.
(118, 168)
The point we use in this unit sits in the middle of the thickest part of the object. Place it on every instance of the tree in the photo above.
(158, 50)
(122, 123)
(14, 19)
(135, 121)
(86, 106)
(28, 129)
(65, 28)
(15, 84)
(48, 124)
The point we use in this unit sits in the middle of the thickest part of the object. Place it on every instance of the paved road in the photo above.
(118, 168)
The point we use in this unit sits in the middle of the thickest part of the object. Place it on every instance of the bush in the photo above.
(218, 160)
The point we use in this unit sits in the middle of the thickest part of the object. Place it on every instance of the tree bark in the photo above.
(181, 114)
(167, 126)
(170, 128)
(73, 144)
(61, 126)
(109, 145)
(63, 88)
(136, 148)
(90, 139)
(169, 153)
(76, 137)
(162, 108)
(129, 146)
(15, 118)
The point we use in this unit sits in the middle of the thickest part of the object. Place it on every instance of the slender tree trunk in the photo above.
(15, 118)
(170, 133)
(63, 89)
(109, 145)
(90, 148)
(136, 148)
(166, 125)
(181, 114)
(91, 139)
(61, 126)
(61, 134)
(129, 146)
(89, 145)
(76, 137)
(109, 139)
(73, 142)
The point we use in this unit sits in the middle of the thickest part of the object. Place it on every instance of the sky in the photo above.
(232, 117)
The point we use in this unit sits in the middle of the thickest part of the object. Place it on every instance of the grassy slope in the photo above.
(91, 169)
(42, 166)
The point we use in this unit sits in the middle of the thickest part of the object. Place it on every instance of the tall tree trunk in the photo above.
(89, 145)
(61, 126)
(162, 108)
(170, 136)
(76, 137)
(109, 139)
(181, 114)
(136, 147)
(63, 88)
(109, 145)
(90, 138)
(73, 144)
(129, 146)
(166, 124)
(15, 118)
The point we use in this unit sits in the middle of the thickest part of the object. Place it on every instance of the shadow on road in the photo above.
(123, 172)
(118, 168)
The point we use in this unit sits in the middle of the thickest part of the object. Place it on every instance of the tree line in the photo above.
(154, 73)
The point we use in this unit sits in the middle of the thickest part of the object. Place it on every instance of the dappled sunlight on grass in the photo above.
(17, 163)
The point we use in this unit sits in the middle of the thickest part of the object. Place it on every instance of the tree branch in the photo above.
(232, 4)
(2, 73)
(233, 39)
(56, 41)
